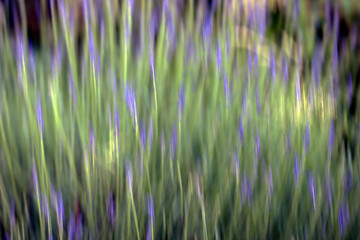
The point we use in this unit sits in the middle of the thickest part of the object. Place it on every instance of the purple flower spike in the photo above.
(272, 67)
(45, 206)
(129, 175)
(328, 192)
(249, 188)
(249, 62)
(258, 103)
(39, 114)
(311, 186)
(111, 212)
(343, 218)
(297, 88)
(296, 169)
(79, 227)
(226, 91)
(349, 90)
(241, 131)
(173, 143)
(150, 205)
(32, 60)
(219, 57)
(143, 135)
(92, 48)
(91, 138)
(150, 132)
(131, 103)
(71, 227)
(315, 67)
(307, 138)
(12, 215)
(116, 120)
(181, 101)
(148, 232)
(331, 140)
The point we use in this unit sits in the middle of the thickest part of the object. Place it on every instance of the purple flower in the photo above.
(296, 11)
(207, 28)
(111, 213)
(129, 175)
(307, 138)
(150, 205)
(62, 9)
(143, 135)
(258, 103)
(331, 140)
(335, 56)
(148, 232)
(173, 143)
(226, 90)
(71, 227)
(45, 206)
(91, 138)
(343, 218)
(12, 215)
(246, 188)
(181, 100)
(219, 57)
(241, 131)
(131, 103)
(297, 88)
(39, 114)
(272, 67)
(328, 192)
(311, 186)
(296, 169)
(315, 67)
(249, 62)
(270, 181)
(79, 227)
(116, 120)
(150, 132)
(32, 60)
(349, 89)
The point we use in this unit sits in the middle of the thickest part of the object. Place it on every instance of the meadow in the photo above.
(180, 120)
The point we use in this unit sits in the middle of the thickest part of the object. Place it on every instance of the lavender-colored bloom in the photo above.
(35, 178)
(226, 90)
(148, 232)
(316, 67)
(249, 62)
(311, 186)
(241, 131)
(72, 88)
(219, 57)
(207, 28)
(129, 175)
(45, 206)
(130, 5)
(111, 213)
(91, 138)
(150, 205)
(79, 227)
(116, 120)
(131, 103)
(39, 114)
(257, 147)
(261, 22)
(249, 188)
(328, 192)
(349, 89)
(343, 218)
(92, 48)
(150, 132)
(307, 138)
(296, 12)
(272, 67)
(32, 60)
(181, 100)
(71, 227)
(62, 9)
(258, 103)
(173, 143)
(296, 169)
(331, 140)
(12, 215)
(270, 181)
(297, 88)
(143, 135)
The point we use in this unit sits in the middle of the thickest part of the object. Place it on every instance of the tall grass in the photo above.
(169, 124)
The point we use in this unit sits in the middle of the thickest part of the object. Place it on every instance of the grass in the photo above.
(133, 136)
